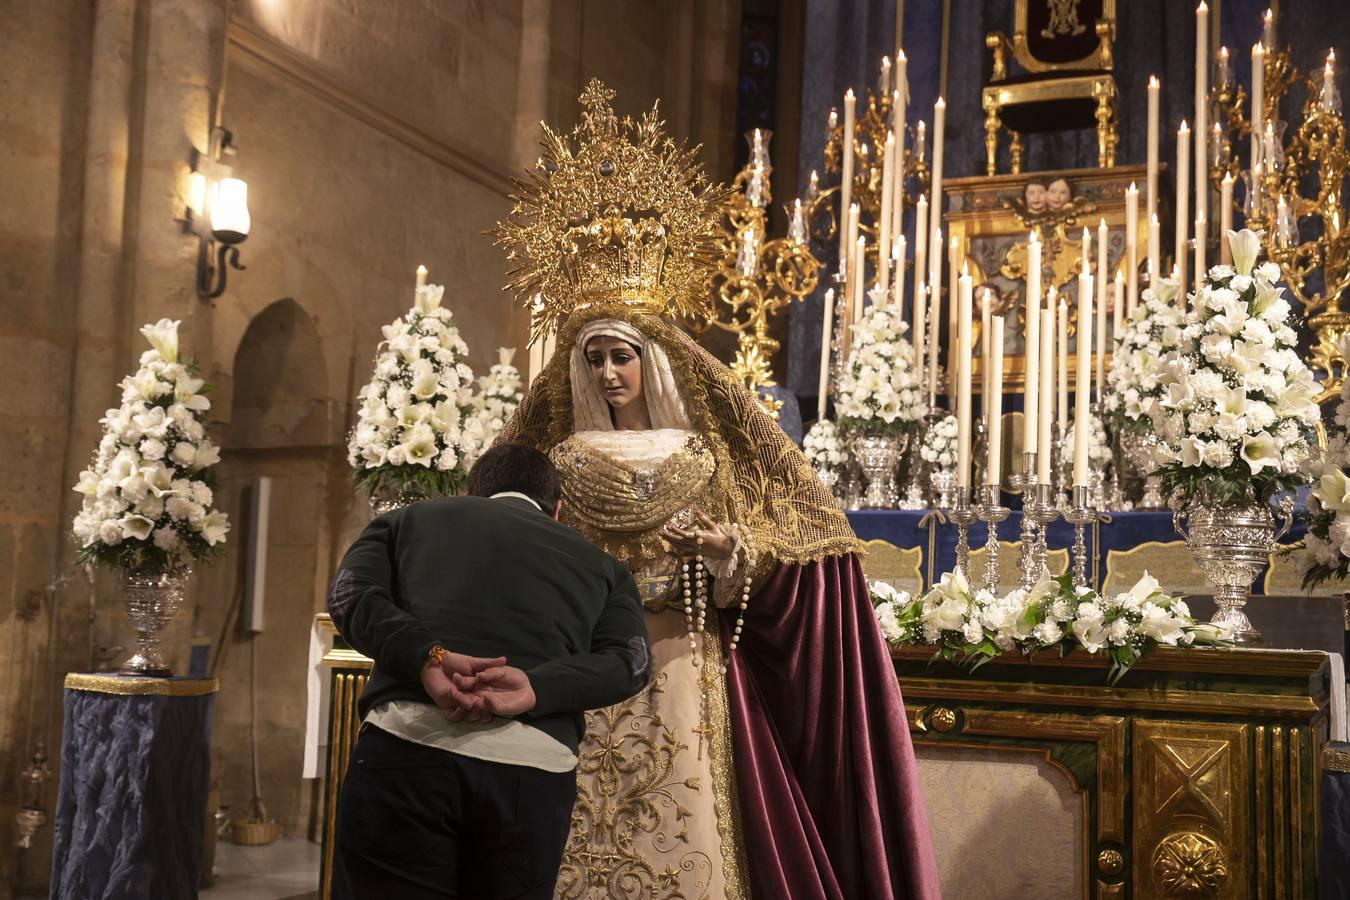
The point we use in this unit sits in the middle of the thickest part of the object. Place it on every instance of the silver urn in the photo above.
(152, 600)
(1136, 458)
(879, 457)
(1231, 542)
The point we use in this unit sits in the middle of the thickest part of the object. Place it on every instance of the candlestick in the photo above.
(1131, 246)
(846, 178)
(1258, 109)
(962, 514)
(827, 326)
(1154, 94)
(1225, 218)
(1062, 367)
(994, 402)
(884, 214)
(859, 278)
(1101, 284)
(991, 512)
(1080, 514)
(1201, 107)
(1154, 251)
(920, 271)
(935, 186)
(963, 366)
(1183, 194)
(884, 84)
(1268, 29)
(1031, 352)
(1044, 416)
(986, 348)
(1081, 427)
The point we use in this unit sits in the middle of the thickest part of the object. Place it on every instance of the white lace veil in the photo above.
(591, 411)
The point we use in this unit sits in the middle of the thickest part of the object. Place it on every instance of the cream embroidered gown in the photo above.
(655, 810)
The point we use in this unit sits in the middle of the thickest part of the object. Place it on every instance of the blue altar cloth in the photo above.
(922, 529)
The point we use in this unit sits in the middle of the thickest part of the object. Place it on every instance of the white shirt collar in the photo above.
(519, 496)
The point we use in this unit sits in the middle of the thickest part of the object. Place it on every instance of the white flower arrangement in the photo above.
(972, 627)
(148, 494)
(938, 447)
(1324, 552)
(1099, 446)
(824, 448)
(1238, 405)
(409, 433)
(498, 395)
(1135, 376)
(880, 389)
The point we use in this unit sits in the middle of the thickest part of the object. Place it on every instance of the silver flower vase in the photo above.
(1136, 459)
(879, 456)
(152, 600)
(1231, 542)
(385, 500)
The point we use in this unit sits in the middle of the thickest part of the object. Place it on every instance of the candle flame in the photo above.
(1202, 8)
(1184, 126)
(1120, 277)
(1031, 239)
(890, 137)
(940, 104)
(1153, 219)
(885, 62)
(965, 269)
(848, 95)
(1153, 81)
(1223, 53)
(421, 270)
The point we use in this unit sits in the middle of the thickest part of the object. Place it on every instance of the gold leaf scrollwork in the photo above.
(627, 791)
(1189, 864)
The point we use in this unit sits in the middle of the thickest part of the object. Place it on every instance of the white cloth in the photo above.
(501, 740)
(1339, 711)
(316, 701)
(519, 496)
(590, 409)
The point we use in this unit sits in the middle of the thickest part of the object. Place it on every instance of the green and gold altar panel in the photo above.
(1194, 776)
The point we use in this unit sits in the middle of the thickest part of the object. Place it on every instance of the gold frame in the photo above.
(1101, 58)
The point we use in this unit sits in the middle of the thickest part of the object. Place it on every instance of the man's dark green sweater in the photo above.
(493, 578)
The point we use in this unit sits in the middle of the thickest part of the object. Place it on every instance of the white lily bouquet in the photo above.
(493, 404)
(148, 494)
(1324, 553)
(1135, 376)
(824, 448)
(971, 627)
(1099, 445)
(880, 391)
(938, 448)
(408, 439)
(1238, 409)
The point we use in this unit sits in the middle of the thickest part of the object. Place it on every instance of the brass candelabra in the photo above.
(1298, 173)
(756, 276)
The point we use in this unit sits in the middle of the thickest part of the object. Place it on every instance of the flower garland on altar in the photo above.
(1238, 407)
(824, 448)
(938, 447)
(492, 406)
(1324, 553)
(148, 494)
(971, 627)
(1135, 376)
(880, 390)
(408, 439)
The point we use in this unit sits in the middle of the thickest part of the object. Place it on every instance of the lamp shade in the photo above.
(229, 210)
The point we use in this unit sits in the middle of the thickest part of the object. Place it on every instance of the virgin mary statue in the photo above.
(770, 756)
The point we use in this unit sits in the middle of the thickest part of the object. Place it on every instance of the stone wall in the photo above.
(374, 136)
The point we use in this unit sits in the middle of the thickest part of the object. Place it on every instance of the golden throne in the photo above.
(1064, 50)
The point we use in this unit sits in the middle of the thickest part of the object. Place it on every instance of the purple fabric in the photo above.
(830, 800)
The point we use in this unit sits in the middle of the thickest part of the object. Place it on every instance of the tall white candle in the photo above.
(1268, 29)
(986, 348)
(1062, 364)
(1031, 353)
(1085, 260)
(826, 334)
(884, 214)
(1201, 107)
(994, 400)
(1132, 245)
(858, 278)
(1046, 414)
(935, 310)
(1183, 194)
(963, 366)
(846, 178)
(1154, 251)
(1118, 308)
(920, 325)
(1154, 94)
(421, 280)
(1258, 106)
(935, 187)
(1225, 217)
(954, 261)
(1081, 429)
(898, 290)
(920, 269)
(899, 101)
(537, 345)
(1200, 268)
(934, 305)
(1100, 308)
(884, 85)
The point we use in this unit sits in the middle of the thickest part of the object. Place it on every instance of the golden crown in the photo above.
(614, 212)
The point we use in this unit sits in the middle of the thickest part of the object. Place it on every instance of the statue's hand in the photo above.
(718, 543)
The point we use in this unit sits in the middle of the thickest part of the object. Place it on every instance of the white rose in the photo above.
(110, 532)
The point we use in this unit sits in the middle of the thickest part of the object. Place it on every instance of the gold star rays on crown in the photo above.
(615, 212)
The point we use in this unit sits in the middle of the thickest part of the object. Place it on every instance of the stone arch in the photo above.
(280, 383)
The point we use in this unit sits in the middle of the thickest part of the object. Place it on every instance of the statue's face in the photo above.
(1057, 193)
(1035, 197)
(616, 369)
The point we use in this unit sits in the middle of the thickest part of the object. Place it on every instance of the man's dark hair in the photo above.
(516, 468)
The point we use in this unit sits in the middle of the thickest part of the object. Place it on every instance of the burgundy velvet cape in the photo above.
(830, 803)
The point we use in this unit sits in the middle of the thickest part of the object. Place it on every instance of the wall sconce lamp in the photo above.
(217, 213)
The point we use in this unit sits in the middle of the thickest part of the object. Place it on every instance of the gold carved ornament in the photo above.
(1189, 864)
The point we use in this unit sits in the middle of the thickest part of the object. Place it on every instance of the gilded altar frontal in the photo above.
(698, 450)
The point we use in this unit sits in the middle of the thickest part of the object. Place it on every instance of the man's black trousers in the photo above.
(417, 822)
